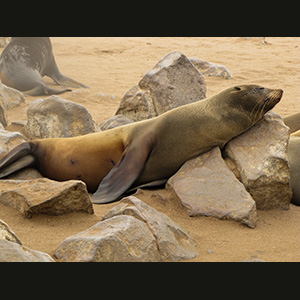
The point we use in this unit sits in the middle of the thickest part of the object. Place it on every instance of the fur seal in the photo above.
(150, 151)
(293, 122)
(25, 60)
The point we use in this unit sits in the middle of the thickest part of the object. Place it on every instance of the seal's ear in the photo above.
(125, 172)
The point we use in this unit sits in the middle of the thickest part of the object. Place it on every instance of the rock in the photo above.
(260, 158)
(45, 196)
(173, 82)
(118, 239)
(210, 69)
(205, 186)
(4, 41)
(25, 174)
(9, 140)
(7, 234)
(115, 121)
(13, 252)
(10, 97)
(55, 117)
(173, 242)
(3, 114)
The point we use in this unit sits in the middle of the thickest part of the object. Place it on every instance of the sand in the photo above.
(111, 66)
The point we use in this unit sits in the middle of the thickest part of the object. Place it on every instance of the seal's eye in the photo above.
(261, 88)
(237, 88)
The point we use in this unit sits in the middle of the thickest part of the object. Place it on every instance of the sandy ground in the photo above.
(111, 66)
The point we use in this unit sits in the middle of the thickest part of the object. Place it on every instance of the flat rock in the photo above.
(206, 187)
(260, 160)
(13, 252)
(7, 234)
(45, 196)
(173, 82)
(118, 239)
(173, 242)
(55, 117)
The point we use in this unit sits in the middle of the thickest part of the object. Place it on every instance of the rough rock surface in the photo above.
(3, 113)
(10, 96)
(115, 121)
(7, 234)
(9, 140)
(45, 196)
(55, 117)
(260, 159)
(173, 82)
(172, 241)
(205, 186)
(210, 69)
(118, 239)
(13, 252)
(4, 41)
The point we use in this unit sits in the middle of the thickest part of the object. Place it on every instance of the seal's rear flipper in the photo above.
(17, 165)
(16, 160)
(124, 174)
(45, 90)
(66, 81)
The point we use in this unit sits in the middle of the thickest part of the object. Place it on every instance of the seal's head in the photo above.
(254, 99)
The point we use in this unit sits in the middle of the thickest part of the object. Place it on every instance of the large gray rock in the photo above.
(7, 234)
(118, 239)
(55, 117)
(45, 196)
(13, 252)
(260, 161)
(206, 187)
(173, 82)
(173, 242)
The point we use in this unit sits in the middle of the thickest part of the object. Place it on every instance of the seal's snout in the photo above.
(275, 95)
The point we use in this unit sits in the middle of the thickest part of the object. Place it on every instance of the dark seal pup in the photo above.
(25, 60)
(148, 151)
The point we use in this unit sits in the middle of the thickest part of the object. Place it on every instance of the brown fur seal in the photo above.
(293, 122)
(147, 151)
(25, 60)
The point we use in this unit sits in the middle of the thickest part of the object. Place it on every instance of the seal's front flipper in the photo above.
(124, 174)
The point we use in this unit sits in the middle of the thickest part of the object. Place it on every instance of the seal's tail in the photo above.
(17, 159)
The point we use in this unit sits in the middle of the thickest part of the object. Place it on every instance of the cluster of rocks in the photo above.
(207, 186)
(132, 231)
(250, 173)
